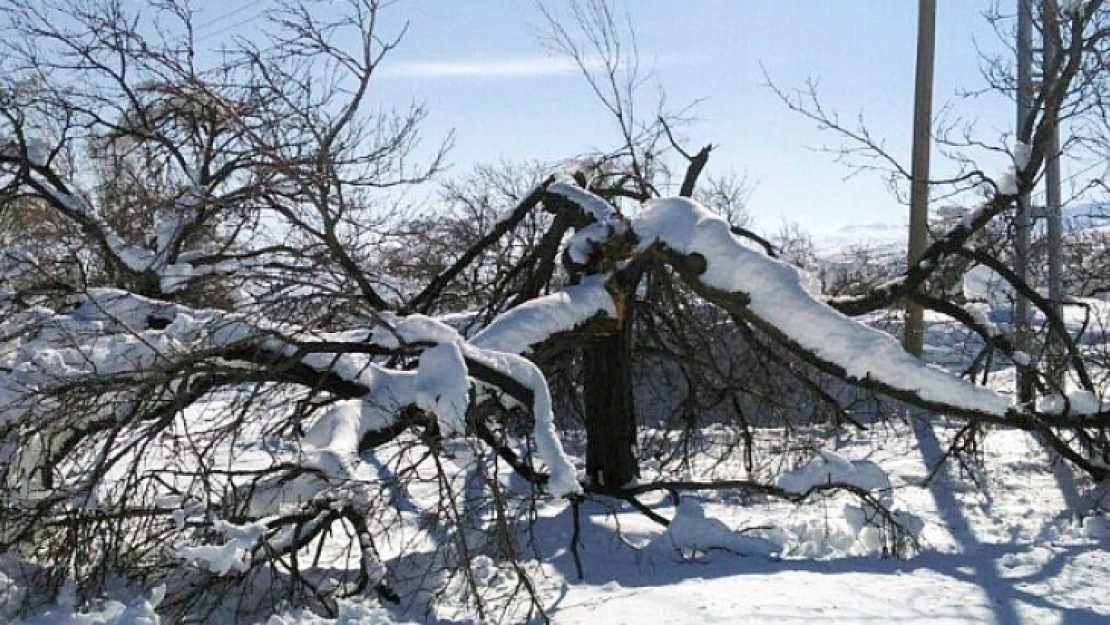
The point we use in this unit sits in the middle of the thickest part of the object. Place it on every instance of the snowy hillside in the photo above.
(875, 235)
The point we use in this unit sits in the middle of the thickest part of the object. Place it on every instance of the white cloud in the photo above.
(525, 67)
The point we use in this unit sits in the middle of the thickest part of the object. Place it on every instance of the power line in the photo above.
(220, 18)
(209, 35)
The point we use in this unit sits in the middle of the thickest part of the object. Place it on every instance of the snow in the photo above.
(442, 387)
(1010, 552)
(563, 477)
(1022, 153)
(1007, 183)
(800, 597)
(980, 314)
(487, 573)
(828, 467)
(599, 209)
(1074, 403)
(862, 530)
(691, 532)
(114, 321)
(119, 342)
(779, 297)
(135, 258)
(173, 277)
(37, 149)
(607, 222)
(982, 284)
(230, 557)
(535, 321)
(331, 443)
(1017, 548)
(349, 613)
(168, 224)
(1014, 550)
(140, 611)
(581, 243)
(411, 329)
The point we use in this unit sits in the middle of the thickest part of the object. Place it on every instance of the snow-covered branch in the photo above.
(770, 294)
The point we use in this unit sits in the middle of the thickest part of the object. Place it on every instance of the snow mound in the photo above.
(350, 613)
(691, 531)
(862, 529)
(831, 468)
(109, 612)
(1007, 183)
(857, 531)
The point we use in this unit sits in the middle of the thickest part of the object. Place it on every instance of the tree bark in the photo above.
(610, 416)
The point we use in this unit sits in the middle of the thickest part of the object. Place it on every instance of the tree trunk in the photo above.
(610, 417)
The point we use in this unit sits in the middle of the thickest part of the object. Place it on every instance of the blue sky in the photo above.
(482, 70)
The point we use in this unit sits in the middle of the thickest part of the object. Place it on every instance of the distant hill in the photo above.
(862, 235)
(892, 237)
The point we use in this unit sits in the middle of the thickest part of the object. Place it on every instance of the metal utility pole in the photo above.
(1022, 221)
(1054, 347)
(914, 338)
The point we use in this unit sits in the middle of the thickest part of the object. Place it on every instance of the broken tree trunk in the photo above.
(610, 416)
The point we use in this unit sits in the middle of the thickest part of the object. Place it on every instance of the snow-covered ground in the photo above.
(1019, 540)
(1024, 546)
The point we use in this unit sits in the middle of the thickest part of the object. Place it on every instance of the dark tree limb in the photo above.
(1056, 324)
(424, 301)
(931, 259)
(767, 246)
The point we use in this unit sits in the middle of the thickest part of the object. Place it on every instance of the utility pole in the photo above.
(1049, 74)
(914, 338)
(1022, 221)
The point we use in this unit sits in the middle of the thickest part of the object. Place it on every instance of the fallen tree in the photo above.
(220, 395)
